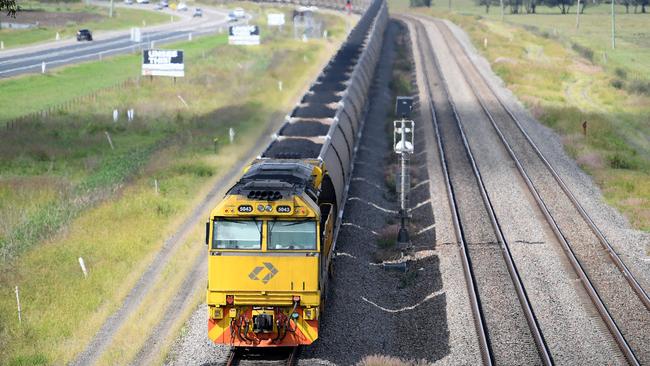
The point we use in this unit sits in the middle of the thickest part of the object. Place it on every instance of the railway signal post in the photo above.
(403, 145)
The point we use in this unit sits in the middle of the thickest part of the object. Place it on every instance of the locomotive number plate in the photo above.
(245, 208)
(283, 209)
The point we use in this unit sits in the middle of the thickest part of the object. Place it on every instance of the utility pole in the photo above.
(613, 25)
(110, 10)
(502, 11)
(578, 16)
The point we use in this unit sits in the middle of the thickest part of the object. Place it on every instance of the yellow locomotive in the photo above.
(271, 239)
(269, 250)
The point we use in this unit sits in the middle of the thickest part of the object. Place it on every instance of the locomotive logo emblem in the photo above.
(267, 268)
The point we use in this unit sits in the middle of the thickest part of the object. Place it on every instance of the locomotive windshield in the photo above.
(291, 235)
(237, 234)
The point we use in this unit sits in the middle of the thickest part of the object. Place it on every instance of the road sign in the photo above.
(275, 19)
(163, 63)
(244, 35)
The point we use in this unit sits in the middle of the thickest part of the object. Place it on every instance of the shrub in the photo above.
(621, 73)
(619, 161)
(639, 86)
(617, 83)
(585, 52)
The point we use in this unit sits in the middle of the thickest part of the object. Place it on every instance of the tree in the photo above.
(9, 6)
(641, 3)
(531, 6)
(418, 3)
(487, 4)
(564, 5)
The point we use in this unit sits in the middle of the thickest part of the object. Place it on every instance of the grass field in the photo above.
(564, 78)
(87, 200)
(81, 16)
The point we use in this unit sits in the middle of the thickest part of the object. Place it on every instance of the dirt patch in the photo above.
(50, 19)
(591, 160)
(584, 67)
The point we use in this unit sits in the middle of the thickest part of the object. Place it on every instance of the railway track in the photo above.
(506, 324)
(619, 299)
(239, 356)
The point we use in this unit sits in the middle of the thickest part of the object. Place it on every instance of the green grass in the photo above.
(122, 18)
(100, 204)
(561, 75)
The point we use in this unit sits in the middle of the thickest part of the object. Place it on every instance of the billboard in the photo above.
(275, 19)
(163, 63)
(244, 35)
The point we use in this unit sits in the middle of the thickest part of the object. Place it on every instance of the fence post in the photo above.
(20, 318)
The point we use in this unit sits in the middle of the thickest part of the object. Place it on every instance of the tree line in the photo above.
(530, 6)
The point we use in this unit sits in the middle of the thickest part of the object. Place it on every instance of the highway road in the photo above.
(65, 52)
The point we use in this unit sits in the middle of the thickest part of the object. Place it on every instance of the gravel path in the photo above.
(571, 327)
(631, 315)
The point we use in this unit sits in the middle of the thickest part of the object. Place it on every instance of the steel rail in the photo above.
(524, 301)
(643, 295)
(479, 321)
(234, 356)
(591, 290)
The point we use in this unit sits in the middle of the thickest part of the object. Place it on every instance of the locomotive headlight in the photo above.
(260, 208)
(310, 314)
(269, 208)
(295, 315)
(216, 313)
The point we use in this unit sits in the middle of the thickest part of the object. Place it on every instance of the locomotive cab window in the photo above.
(291, 235)
(231, 234)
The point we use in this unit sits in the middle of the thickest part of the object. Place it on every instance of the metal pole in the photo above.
(402, 235)
(110, 10)
(613, 25)
(502, 11)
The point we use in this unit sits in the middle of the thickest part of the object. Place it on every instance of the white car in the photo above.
(181, 7)
(239, 13)
(142, 1)
(128, 2)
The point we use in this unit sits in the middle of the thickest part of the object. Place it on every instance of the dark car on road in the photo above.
(197, 13)
(84, 35)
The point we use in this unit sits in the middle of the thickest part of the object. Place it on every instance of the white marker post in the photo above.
(231, 134)
(116, 115)
(280, 85)
(189, 36)
(83, 267)
(2, 45)
(43, 67)
(155, 185)
(20, 318)
(58, 36)
(183, 100)
(110, 142)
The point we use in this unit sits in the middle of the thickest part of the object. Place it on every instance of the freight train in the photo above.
(271, 239)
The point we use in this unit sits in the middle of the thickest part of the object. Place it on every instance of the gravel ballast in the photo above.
(624, 305)
(566, 316)
(509, 336)
(632, 245)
